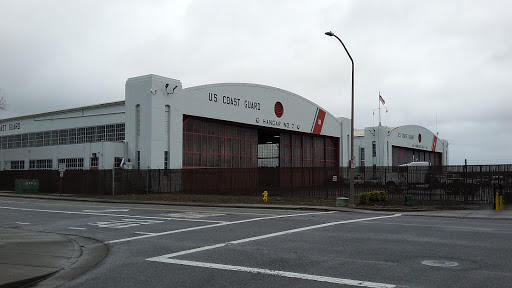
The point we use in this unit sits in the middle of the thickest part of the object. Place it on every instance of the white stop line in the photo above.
(282, 274)
(169, 258)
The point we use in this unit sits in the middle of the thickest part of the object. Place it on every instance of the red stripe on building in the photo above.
(319, 121)
(434, 143)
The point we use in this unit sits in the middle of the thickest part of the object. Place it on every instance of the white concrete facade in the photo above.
(152, 117)
(35, 137)
(248, 104)
(377, 145)
(146, 129)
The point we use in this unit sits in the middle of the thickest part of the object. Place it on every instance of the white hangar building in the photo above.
(161, 125)
(387, 146)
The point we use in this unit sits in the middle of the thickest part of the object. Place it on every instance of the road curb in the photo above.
(368, 210)
(30, 258)
(93, 252)
(200, 204)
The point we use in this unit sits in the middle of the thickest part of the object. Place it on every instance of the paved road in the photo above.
(160, 246)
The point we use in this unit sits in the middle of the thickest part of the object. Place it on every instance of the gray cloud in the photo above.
(443, 65)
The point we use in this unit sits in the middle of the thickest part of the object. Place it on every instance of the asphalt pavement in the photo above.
(29, 258)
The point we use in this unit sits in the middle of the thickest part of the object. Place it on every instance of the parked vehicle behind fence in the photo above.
(414, 174)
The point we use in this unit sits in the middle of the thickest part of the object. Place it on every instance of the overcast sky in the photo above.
(444, 65)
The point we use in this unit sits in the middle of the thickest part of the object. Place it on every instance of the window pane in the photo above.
(204, 144)
(189, 159)
(197, 143)
(197, 160)
(210, 160)
(72, 136)
(100, 133)
(197, 126)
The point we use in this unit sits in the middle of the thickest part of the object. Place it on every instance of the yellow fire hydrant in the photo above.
(499, 201)
(265, 196)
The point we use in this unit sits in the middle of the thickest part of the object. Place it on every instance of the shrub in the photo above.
(364, 198)
(381, 195)
(374, 196)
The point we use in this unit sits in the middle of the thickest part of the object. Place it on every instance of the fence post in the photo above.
(113, 181)
(147, 181)
(386, 175)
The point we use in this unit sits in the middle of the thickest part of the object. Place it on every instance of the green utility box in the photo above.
(341, 201)
(408, 200)
(26, 186)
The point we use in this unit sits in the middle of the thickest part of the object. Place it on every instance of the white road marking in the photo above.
(124, 223)
(281, 273)
(22, 223)
(44, 202)
(115, 215)
(168, 258)
(147, 233)
(108, 210)
(214, 225)
(77, 228)
(439, 263)
(192, 215)
(271, 235)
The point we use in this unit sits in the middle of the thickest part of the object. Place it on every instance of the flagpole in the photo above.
(379, 109)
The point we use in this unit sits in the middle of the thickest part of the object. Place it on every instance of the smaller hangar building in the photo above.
(386, 146)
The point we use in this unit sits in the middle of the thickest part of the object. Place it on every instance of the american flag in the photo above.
(382, 100)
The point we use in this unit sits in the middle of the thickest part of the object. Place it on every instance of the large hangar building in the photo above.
(161, 125)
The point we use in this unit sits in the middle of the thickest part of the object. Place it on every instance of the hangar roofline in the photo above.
(259, 86)
(56, 112)
(411, 126)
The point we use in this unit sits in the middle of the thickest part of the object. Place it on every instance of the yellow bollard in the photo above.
(265, 198)
(501, 202)
(497, 202)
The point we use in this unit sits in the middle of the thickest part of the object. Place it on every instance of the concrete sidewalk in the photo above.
(468, 214)
(28, 257)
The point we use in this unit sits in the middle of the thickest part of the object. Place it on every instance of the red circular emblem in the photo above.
(278, 109)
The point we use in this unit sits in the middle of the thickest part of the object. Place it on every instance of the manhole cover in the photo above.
(440, 263)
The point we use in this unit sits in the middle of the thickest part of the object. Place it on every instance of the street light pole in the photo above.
(352, 164)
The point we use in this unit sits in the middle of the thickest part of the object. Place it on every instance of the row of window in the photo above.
(41, 164)
(71, 163)
(18, 165)
(111, 132)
